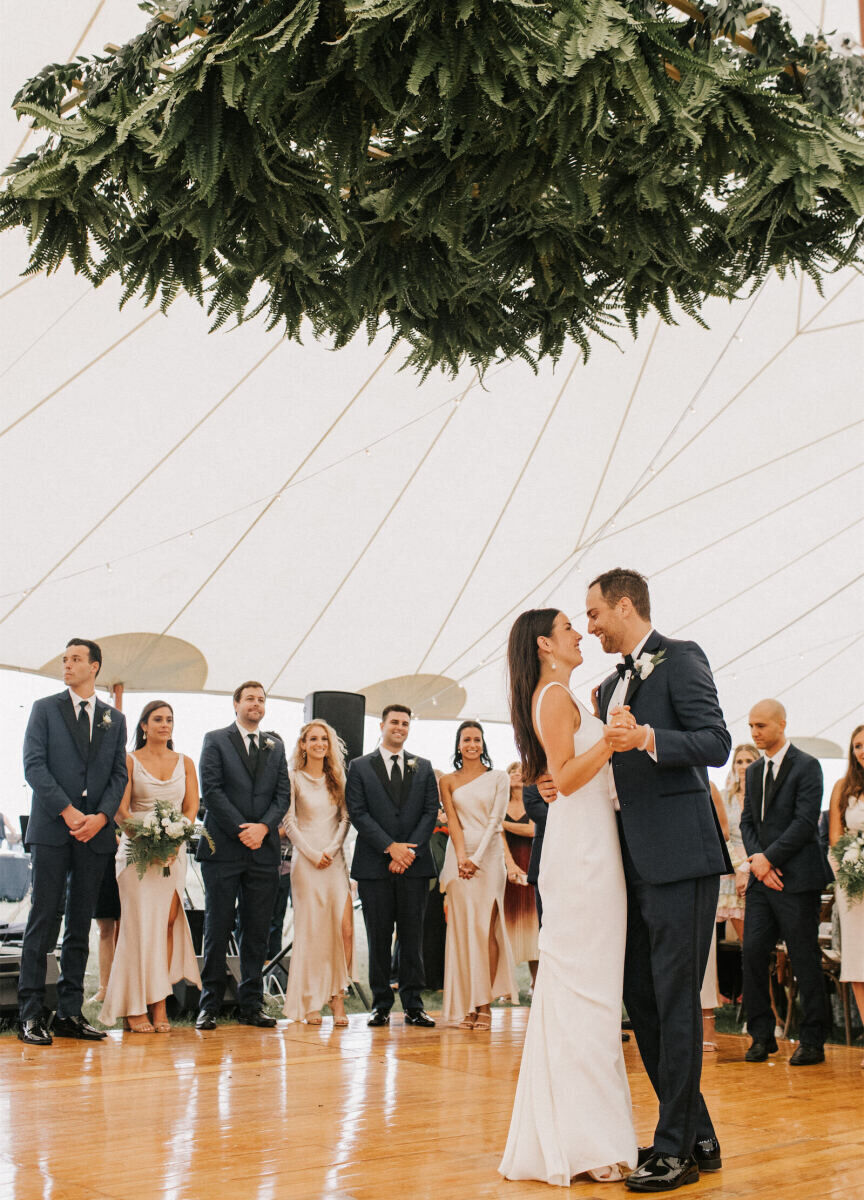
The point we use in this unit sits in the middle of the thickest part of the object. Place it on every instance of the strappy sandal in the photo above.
(162, 1026)
(469, 1021)
(483, 1023)
(144, 1027)
(311, 1020)
(610, 1174)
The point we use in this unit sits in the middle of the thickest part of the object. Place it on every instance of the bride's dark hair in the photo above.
(140, 739)
(523, 669)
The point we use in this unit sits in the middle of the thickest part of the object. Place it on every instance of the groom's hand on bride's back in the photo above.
(545, 785)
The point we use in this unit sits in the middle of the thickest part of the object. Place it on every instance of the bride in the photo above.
(572, 1112)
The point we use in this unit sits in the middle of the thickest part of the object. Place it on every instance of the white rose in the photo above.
(149, 821)
(166, 821)
(175, 829)
(645, 667)
(853, 853)
(186, 822)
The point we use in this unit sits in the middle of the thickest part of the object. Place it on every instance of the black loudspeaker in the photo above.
(345, 711)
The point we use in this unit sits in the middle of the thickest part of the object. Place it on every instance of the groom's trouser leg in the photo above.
(49, 868)
(221, 884)
(378, 897)
(668, 939)
(411, 897)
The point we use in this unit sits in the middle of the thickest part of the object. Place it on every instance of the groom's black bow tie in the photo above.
(623, 667)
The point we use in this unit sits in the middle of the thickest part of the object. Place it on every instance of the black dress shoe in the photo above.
(759, 1051)
(34, 1032)
(257, 1017)
(380, 1016)
(205, 1020)
(643, 1153)
(76, 1027)
(806, 1056)
(416, 1016)
(663, 1173)
(707, 1155)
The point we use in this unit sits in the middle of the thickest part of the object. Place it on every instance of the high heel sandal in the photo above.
(312, 1019)
(483, 1023)
(144, 1027)
(610, 1174)
(469, 1021)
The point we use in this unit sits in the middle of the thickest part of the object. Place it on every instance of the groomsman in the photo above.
(246, 791)
(788, 870)
(392, 800)
(75, 762)
(673, 854)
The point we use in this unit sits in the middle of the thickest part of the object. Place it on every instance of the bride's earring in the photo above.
(553, 664)
(144, 734)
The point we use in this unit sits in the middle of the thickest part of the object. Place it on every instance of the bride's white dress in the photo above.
(572, 1111)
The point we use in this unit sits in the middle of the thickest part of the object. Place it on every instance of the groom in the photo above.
(673, 854)
(75, 762)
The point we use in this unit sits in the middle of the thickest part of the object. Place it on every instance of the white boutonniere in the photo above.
(410, 763)
(269, 743)
(106, 721)
(645, 663)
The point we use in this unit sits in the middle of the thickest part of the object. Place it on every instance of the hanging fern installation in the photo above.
(484, 178)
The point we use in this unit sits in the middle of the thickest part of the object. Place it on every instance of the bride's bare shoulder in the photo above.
(556, 704)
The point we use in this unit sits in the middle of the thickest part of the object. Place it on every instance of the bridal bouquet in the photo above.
(848, 854)
(156, 837)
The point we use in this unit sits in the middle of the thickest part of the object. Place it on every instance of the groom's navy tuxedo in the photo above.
(382, 817)
(235, 792)
(787, 834)
(62, 770)
(673, 855)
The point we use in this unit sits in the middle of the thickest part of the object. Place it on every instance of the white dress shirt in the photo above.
(619, 692)
(776, 761)
(387, 756)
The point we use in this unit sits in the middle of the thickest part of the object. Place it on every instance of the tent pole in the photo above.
(117, 688)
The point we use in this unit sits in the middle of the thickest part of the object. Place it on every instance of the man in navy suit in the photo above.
(75, 762)
(673, 854)
(788, 870)
(246, 791)
(392, 800)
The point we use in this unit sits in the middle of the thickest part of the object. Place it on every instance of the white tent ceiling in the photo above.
(320, 520)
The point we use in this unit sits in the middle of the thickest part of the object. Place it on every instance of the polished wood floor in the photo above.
(298, 1113)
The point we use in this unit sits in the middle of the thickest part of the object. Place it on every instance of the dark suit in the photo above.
(60, 769)
(381, 817)
(538, 810)
(234, 794)
(788, 837)
(673, 855)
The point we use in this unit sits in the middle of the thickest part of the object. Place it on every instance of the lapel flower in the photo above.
(269, 743)
(105, 723)
(645, 663)
(410, 763)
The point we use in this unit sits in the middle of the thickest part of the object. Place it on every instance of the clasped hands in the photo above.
(252, 834)
(765, 872)
(467, 868)
(622, 733)
(83, 826)
(402, 855)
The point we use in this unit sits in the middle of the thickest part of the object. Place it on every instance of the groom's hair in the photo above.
(93, 649)
(620, 582)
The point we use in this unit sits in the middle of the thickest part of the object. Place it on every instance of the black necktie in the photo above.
(253, 752)
(623, 667)
(83, 728)
(768, 790)
(396, 778)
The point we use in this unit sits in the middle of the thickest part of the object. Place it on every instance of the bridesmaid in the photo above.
(478, 963)
(846, 815)
(730, 906)
(317, 823)
(154, 949)
(520, 906)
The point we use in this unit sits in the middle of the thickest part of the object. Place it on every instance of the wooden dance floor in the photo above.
(298, 1113)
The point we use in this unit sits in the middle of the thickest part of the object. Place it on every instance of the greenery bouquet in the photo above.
(157, 836)
(848, 854)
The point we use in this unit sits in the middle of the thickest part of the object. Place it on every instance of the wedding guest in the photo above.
(154, 947)
(782, 802)
(520, 906)
(107, 918)
(709, 998)
(733, 888)
(316, 823)
(392, 800)
(8, 833)
(75, 762)
(246, 791)
(434, 922)
(478, 964)
(847, 816)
